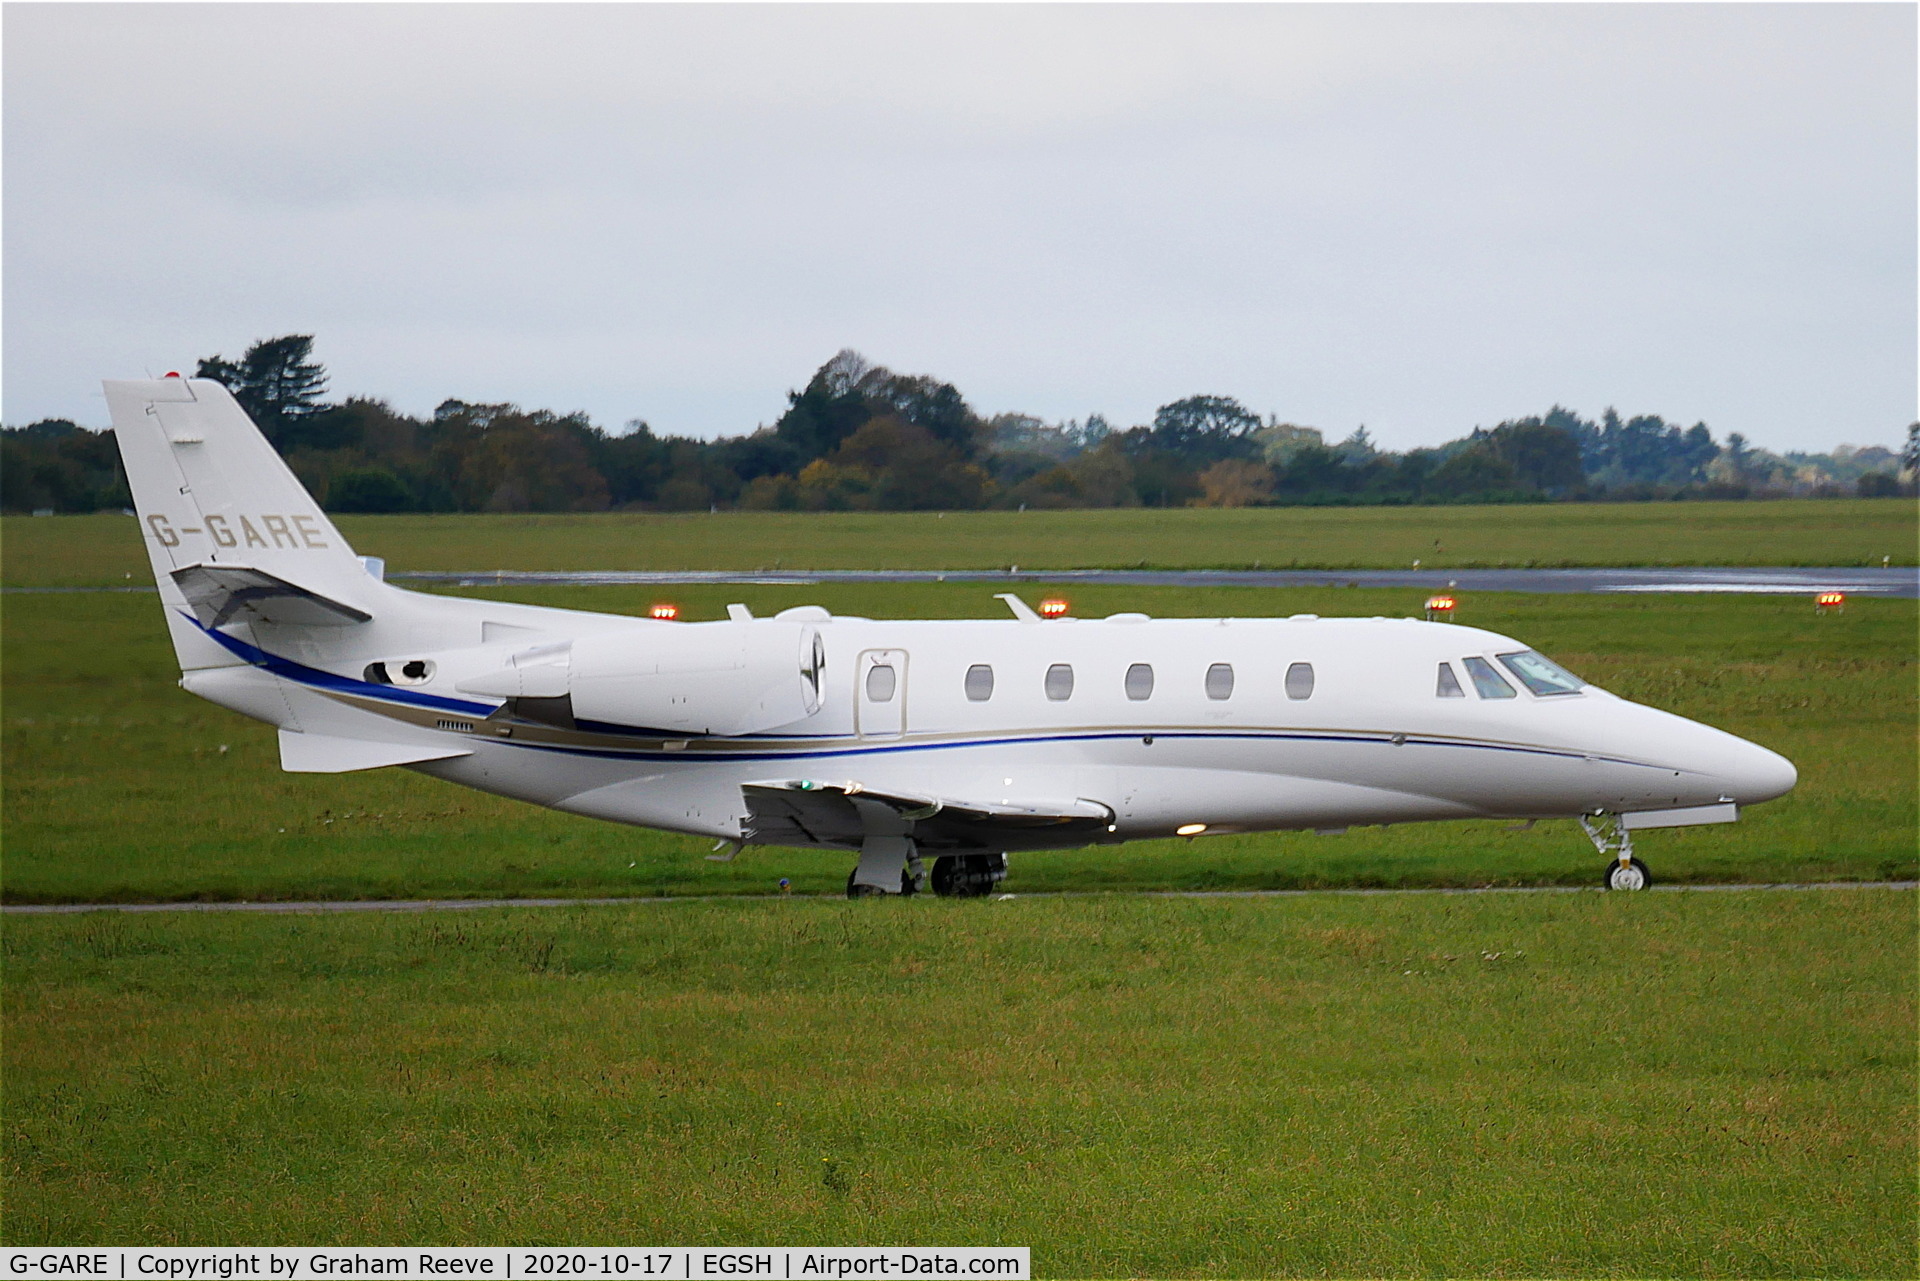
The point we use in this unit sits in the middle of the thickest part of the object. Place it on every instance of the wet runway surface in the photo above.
(475, 904)
(1893, 582)
(1900, 583)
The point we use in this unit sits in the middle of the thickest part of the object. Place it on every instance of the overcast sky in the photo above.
(1420, 218)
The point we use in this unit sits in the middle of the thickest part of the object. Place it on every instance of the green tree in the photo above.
(277, 383)
(1543, 457)
(368, 489)
(1202, 428)
(828, 409)
(1475, 474)
(57, 464)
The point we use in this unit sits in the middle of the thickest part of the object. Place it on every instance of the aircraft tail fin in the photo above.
(231, 533)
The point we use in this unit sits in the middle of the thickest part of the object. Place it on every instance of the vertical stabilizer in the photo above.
(210, 492)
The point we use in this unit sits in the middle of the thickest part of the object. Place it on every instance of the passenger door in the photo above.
(880, 694)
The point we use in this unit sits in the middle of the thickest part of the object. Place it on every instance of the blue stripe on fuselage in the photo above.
(341, 684)
(318, 679)
(875, 749)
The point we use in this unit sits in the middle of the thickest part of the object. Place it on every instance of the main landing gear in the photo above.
(891, 865)
(968, 875)
(1611, 837)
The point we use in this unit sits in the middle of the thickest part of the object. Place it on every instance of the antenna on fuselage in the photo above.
(1021, 610)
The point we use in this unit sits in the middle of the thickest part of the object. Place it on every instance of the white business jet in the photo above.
(957, 741)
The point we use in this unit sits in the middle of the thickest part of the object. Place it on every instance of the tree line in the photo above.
(858, 436)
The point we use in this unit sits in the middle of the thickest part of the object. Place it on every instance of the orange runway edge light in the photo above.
(1829, 600)
(1053, 607)
(666, 613)
(1439, 607)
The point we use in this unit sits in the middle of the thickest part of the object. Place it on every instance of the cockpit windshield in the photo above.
(1541, 674)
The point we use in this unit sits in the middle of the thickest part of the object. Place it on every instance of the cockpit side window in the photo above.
(1487, 682)
(1541, 674)
(1449, 684)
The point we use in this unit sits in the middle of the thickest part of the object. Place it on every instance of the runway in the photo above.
(1895, 582)
(475, 904)
(1892, 583)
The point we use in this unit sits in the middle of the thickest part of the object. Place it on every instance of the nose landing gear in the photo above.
(1610, 836)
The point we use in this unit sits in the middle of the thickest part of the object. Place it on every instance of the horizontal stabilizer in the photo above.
(325, 754)
(221, 593)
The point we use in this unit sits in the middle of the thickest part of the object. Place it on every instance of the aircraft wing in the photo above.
(804, 812)
(220, 593)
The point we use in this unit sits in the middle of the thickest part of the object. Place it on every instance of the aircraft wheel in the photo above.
(1631, 875)
(967, 875)
(946, 875)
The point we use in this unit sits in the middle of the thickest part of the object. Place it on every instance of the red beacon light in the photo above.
(664, 612)
(1829, 600)
(1440, 608)
(1053, 607)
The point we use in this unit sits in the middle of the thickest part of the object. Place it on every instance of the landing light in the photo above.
(1829, 600)
(1190, 829)
(1053, 607)
(1440, 607)
(665, 612)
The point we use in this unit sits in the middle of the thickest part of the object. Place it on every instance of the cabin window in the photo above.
(1060, 682)
(979, 683)
(1300, 681)
(880, 683)
(1449, 686)
(1139, 682)
(1486, 681)
(1541, 674)
(1220, 681)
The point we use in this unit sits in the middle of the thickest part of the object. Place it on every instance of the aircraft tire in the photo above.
(945, 872)
(965, 875)
(1633, 876)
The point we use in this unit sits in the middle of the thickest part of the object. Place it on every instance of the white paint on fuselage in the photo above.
(1256, 760)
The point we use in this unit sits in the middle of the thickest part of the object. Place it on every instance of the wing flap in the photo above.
(221, 593)
(806, 812)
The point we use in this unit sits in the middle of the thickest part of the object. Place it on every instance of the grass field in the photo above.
(106, 549)
(1497, 1085)
(1711, 1084)
(119, 786)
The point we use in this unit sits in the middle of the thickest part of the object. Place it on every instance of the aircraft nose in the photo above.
(1756, 774)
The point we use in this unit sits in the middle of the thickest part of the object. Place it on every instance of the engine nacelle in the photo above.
(737, 677)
